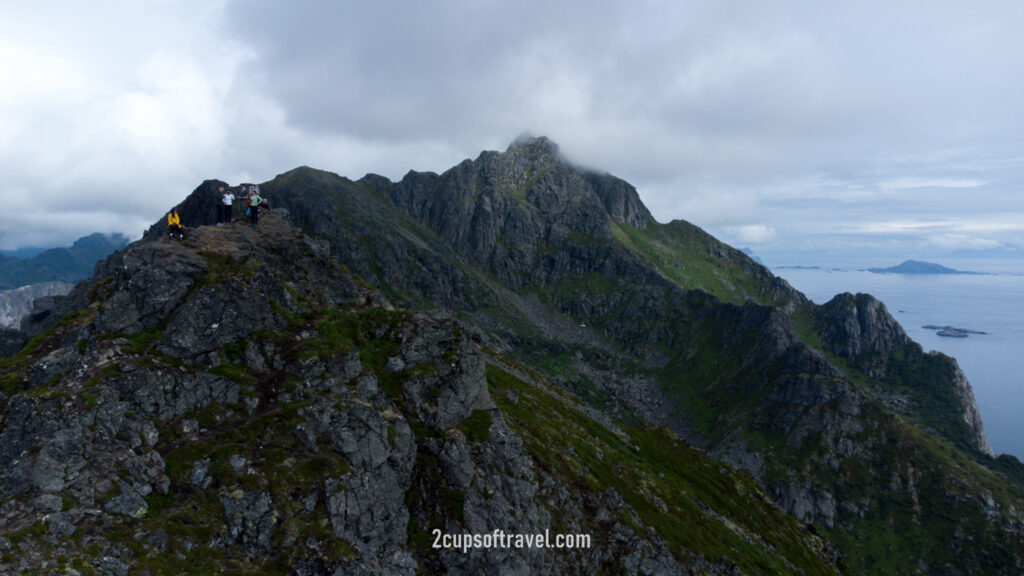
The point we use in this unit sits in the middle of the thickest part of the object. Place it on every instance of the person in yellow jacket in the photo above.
(174, 224)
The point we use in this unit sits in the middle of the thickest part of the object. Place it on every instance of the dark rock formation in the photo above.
(860, 329)
(10, 342)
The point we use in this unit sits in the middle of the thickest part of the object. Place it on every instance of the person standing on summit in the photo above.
(255, 200)
(227, 200)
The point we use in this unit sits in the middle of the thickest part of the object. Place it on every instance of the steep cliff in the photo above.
(16, 304)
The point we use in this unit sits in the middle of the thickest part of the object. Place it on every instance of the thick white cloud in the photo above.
(768, 124)
(111, 112)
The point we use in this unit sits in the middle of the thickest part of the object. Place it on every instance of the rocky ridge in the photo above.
(240, 401)
(570, 296)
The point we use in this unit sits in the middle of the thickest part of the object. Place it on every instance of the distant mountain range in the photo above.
(59, 264)
(918, 267)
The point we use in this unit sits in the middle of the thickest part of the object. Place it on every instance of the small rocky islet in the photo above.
(952, 331)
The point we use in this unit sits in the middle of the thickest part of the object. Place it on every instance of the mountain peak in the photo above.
(534, 145)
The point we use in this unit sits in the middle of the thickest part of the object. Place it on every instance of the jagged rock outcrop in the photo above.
(860, 329)
(970, 412)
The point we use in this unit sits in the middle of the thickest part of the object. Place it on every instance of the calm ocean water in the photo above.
(993, 362)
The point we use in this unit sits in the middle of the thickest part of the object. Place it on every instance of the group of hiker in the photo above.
(248, 196)
(227, 201)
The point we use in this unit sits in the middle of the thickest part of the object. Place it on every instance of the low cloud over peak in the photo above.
(761, 123)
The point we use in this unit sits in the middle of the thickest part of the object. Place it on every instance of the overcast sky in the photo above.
(784, 126)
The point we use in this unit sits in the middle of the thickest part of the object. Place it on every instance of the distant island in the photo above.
(753, 257)
(918, 267)
(952, 331)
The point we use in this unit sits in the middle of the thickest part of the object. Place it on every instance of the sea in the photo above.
(992, 302)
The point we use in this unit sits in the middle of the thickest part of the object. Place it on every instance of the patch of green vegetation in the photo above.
(928, 381)
(235, 372)
(340, 331)
(10, 384)
(108, 372)
(275, 463)
(82, 566)
(50, 338)
(558, 361)
(89, 399)
(590, 284)
(221, 268)
(669, 485)
(713, 383)
(805, 327)
(13, 370)
(142, 341)
(477, 426)
(432, 503)
(293, 320)
(34, 531)
(920, 518)
(691, 258)
(235, 351)
(157, 503)
(101, 290)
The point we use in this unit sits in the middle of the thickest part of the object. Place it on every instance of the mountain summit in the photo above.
(511, 348)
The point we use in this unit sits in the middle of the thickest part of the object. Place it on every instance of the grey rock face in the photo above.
(859, 329)
(251, 519)
(365, 507)
(971, 415)
(807, 504)
(128, 503)
(16, 303)
(145, 292)
(59, 525)
(445, 397)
